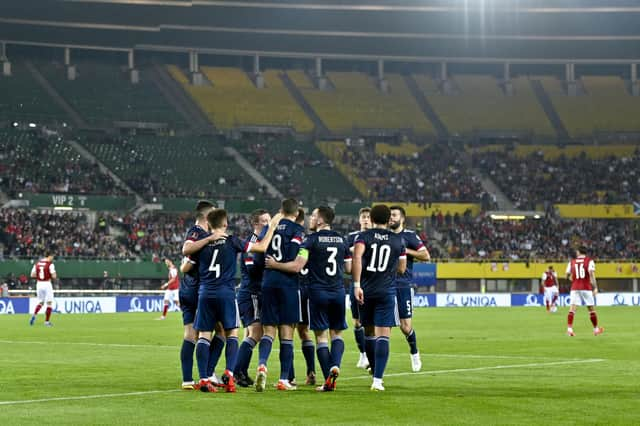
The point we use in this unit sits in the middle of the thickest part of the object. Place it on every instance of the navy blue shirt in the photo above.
(251, 268)
(284, 247)
(351, 238)
(190, 280)
(383, 249)
(411, 241)
(217, 266)
(328, 251)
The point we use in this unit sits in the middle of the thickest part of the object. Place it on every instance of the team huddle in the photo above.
(292, 280)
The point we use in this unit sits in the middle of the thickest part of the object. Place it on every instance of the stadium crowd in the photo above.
(464, 237)
(436, 173)
(580, 180)
(149, 236)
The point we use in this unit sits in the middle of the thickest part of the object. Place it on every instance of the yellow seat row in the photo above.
(480, 104)
(356, 102)
(232, 100)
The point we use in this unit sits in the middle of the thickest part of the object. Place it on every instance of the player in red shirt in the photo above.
(43, 271)
(582, 272)
(549, 283)
(172, 286)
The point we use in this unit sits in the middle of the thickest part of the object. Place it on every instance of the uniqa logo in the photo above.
(618, 299)
(7, 307)
(478, 301)
(532, 300)
(82, 306)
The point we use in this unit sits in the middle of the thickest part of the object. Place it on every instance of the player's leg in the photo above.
(165, 304)
(285, 334)
(308, 350)
(290, 314)
(186, 356)
(554, 299)
(593, 316)
(384, 319)
(575, 301)
(49, 302)
(230, 322)
(205, 322)
(404, 300)
(190, 304)
(249, 306)
(358, 331)
(322, 349)
(215, 352)
(41, 294)
(337, 323)
(270, 320)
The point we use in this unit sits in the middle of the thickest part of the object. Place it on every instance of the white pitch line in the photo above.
(73, 398)
(113, 345)
(495, 367)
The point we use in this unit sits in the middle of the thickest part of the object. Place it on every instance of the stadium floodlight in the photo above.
(536, 216)
(507, 217)
(32, 125)
(15, 124)
(63, 208)
(19, 194)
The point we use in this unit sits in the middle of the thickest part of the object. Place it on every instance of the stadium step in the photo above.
(425, 106)
(550, 110)
(296, 94)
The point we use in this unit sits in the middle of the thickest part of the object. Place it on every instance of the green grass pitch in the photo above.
(481, 366)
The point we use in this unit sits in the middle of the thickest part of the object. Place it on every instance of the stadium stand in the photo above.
(102, 94)
(299, 170)
(533, 179)
(480, 104)
(23, 99)
(30, 233)
(434, 173)
(33, 162)
(355, 102)
(174, 166)
(544, 239)
(605, 105)
(233, 100)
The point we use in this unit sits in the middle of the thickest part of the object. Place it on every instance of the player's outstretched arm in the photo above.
(356, 271)
(421, 254)
(186, 265)
(402, 265)
(192, 247)
(292, 267)
(262, 245)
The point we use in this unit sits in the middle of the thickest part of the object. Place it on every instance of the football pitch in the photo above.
(480, 366)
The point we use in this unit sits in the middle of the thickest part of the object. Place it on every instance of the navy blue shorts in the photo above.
(355, 306)
(188, 304)
(379, 311)
(223, 309)
(304, 304)
(327, 310)
(405, 302)
(281, 306)
(250, 306)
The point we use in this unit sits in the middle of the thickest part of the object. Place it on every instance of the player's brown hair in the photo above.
(400, 209)
(202, 207)
(300, 217)
(364, 210)
(380, 214)
(289, 207)
(216, 218)
(327, 214)
(255, 215)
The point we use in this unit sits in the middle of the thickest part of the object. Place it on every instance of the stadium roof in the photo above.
(513, 31)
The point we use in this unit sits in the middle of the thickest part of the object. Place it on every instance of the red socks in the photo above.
(594, 318)
(164, 311)
(48, 313)
(570, 319)
(37, 309)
